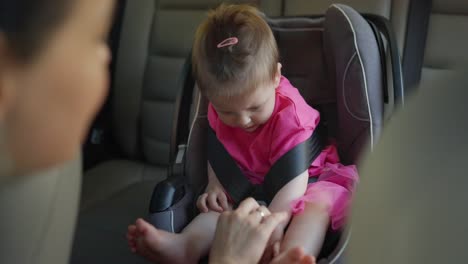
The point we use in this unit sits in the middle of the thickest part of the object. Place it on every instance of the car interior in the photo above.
(341, 39)
(151, 129)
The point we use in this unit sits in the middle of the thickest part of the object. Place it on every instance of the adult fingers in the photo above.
(257, 215)
(264, 210)
(270, 222)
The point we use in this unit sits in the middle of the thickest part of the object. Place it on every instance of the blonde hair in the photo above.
(231, 70)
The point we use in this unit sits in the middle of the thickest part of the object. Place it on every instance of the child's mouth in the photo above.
(251, 128)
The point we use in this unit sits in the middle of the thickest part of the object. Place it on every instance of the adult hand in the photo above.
(241, 235)
(273, 245)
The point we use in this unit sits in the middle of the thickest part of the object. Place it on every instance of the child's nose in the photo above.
(243, 120)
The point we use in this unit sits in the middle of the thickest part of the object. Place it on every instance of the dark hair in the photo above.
(232, 70)
(27, 24)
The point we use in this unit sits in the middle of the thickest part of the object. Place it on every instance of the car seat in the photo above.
(338, 64)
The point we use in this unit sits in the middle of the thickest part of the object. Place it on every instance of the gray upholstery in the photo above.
(150, 61)
(395, 10)
(196, 159)
(39, 214)
(302, 7)
(398, 18)
(109, 178)
(351, 46)
(149, 64)
(100, 234)
(130, 71)
(446, 40)
(349, 92)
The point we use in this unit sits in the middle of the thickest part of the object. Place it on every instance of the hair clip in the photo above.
(228, 42)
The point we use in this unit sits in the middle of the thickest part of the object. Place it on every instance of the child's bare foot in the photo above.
(132, 237)
(158, 245)
(294, 255)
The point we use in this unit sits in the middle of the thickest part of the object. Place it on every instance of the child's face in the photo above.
(48, 103)
(247, 111)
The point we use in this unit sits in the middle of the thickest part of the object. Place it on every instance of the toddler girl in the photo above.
(258, 116)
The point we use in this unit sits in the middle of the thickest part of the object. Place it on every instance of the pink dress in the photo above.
(291, 123)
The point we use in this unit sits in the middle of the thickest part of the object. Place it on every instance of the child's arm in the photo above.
(282, 203)
(291, 191)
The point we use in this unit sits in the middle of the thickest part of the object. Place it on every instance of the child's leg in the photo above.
(293, 256)
(307, 230)
(164, 247)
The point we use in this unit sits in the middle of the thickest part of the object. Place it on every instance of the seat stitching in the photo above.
(343, 89)
(195, 117)
(363, 73)
(172, 220)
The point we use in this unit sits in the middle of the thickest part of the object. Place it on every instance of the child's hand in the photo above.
(213, 199)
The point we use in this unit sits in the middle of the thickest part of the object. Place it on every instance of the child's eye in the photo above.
(255, 108)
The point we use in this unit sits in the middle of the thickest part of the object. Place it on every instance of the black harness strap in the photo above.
(292, 164)
(226, 169)
(288, 167)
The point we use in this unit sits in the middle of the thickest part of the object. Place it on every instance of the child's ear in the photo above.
(7, 89)
(278, 74)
